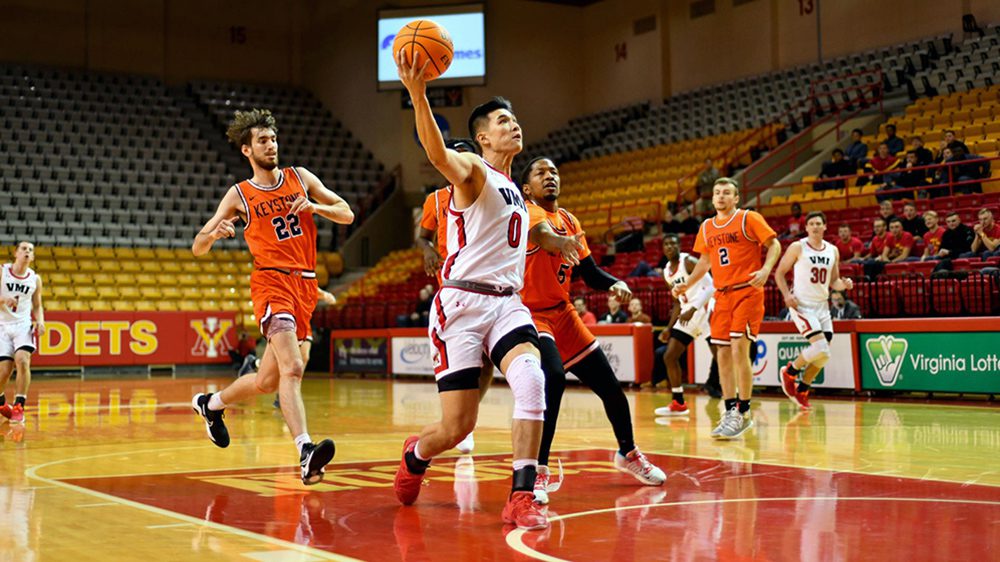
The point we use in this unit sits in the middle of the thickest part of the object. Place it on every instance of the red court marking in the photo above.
(721, 510)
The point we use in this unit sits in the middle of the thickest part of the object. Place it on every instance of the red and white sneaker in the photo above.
(674, 409)
(541, 491)
(17, 414)
(636, 464)
(803, 399)
(6, 411)
(788, 386)
(521, 510)
(407, 484)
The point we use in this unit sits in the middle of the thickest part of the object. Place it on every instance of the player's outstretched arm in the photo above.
(328, 204)
(457, 167)
(699, 271)
(219, 226)
(568, 246)
(36, 307)
(784, 266)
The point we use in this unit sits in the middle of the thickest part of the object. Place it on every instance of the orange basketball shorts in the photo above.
(284, 295)
(561, 323)
(738, 313)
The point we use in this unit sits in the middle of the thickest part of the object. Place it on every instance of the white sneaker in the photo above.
(639, 466)
(466, 445)
(542, 484)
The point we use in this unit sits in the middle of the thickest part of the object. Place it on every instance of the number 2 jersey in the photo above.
(811, 281)
(734, 246)
(277, 238)
(547, 276)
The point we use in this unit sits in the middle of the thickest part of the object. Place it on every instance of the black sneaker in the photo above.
(216, 428)
(249, 365)
(314, 458)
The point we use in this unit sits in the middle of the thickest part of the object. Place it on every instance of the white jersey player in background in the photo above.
(20, 296)
(816, 269)
(688, 319)
(478, 308)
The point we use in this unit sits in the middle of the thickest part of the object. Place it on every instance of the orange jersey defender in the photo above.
(546, 276)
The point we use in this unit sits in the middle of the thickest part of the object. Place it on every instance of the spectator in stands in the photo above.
(957, 240)
(977, 168)
(419, 317)
(615, 313)
(246, 345)
(843, 309)
(850, 246)
(670, 224)
(884, 161)
(636, 314)
(857, 151)
(908, 177)
(942, 175)
(877, 243)
(947, 142)
(706, 179)
(581, 308)
(885, 211)
(912, 222)
(643, 269)
(892, 142)
(933, 236)
(986, 244)
(689, 224)
(836, 167)
(897, 246)
(796, 224)
(924, 156)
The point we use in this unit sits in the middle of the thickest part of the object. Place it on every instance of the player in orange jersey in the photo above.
(433, 241)
(276, 204)
(564, 341)
(730, 244)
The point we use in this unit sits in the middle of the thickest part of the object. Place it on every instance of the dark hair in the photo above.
(797, 204)
(816, 214)
(894, 221)
(952, 131)
(890, 125)
(468, 145)
(670, 235)
(240, 131)
(885, 144)
(838, 151)
(481, 112)
(526, 170)
(844, 225)
(953, 214)
(858, 131)
(879, 219)
(908, 203)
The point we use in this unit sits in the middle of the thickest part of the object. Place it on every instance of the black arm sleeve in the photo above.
(593, 276)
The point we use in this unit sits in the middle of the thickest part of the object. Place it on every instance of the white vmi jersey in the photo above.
(811, 283)
(487, 241)
(20, 288)
(692, 294)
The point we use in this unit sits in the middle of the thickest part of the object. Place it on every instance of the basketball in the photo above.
(430, 40)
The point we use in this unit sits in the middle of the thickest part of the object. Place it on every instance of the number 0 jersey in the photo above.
(487, 240)
(547, 276)
(277, 238)
(811, 281)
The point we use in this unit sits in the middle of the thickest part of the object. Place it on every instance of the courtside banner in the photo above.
(94, 339)
(776, 350)
(412, 355)
(933, 362)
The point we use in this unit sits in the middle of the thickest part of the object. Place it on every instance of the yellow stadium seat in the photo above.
(167, 306)
(86, 292)
(121, 306)
(172, 293)
(104, 253)
(125, 253)
(87, 264)
(151, 267)
(80, 279)
(145, 254)
(187, 279)
(110, 266)
(100, 305)
(164, 254)
(107, 293)
(62, 252)
(188, 306)
(76, 306)
(192, 267)
(151, 293)
(130, 266)
(170, 267)
(52, 304)
(84, 252)
(144, 306)
(129, 292)
(57, 278)
(63, 291)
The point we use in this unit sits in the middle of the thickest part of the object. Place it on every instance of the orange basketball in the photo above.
(431, 41)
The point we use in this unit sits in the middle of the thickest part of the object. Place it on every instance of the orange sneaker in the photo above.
(5, 411)
(406, 483)
(17, 414)
(521, 510)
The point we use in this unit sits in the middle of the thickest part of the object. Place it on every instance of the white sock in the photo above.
(416, 452)
(301, 440)
(679, 389)
(521, 463)
(215, 403)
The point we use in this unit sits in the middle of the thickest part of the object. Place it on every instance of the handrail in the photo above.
(950, 184)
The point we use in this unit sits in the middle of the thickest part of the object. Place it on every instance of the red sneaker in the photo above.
(674, 409)
(788, 385)
(407, 484)
(521, 510)
(803, 400)
(5, 411)
(17, 414)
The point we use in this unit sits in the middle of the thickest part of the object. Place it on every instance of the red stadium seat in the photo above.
(885, 299)
(923, 267)
(979, 294)
(945, 297)
(862, 295)
(915, 296)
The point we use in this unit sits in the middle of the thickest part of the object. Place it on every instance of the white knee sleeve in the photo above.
(818, 351)
(527, 382)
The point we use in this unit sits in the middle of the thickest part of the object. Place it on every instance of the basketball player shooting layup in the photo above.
(816, 265)
(275, 205)
(730, 244)
(478, 305)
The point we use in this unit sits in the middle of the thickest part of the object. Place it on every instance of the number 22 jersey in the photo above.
(277, 238)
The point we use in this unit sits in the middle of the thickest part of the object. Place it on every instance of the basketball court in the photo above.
(123, 468)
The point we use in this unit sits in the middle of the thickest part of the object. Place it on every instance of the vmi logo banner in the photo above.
(941, 362)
